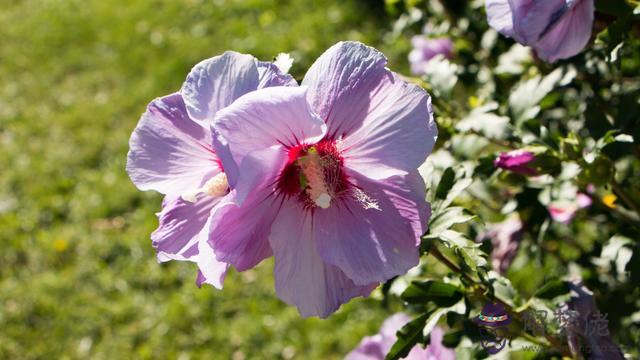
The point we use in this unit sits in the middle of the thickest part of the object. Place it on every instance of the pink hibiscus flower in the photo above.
(324, 178)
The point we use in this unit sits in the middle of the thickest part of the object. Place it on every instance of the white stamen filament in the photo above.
(216, 186)
(314, 173)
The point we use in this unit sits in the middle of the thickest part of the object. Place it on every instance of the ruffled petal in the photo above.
(168, 152)
(500, 17)
(176, 238)
(269, 75)
(569, 35)
(241, 223)
(216, 82)
(373, 234)
(264, 118)
(397, 133)
(302, 278)
(341, 82)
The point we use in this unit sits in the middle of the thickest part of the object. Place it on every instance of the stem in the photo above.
(455, 268)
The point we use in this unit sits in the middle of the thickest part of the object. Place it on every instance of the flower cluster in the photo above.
(322, 176)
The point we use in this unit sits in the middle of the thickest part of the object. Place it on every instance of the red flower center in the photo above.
(314, 174)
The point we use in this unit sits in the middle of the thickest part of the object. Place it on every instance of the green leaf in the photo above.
(453, 239)
(526, 96)
(552, 289)
(453, 182)
(446, 183)
(612, 136)
(443, 295)
(407, 337)
(448, 218)
(487, 124)
(452, 338)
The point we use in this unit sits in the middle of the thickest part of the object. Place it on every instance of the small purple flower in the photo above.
(555, 29)
(590, 326)
(517, 161)
(425, 49)
(171, 151)
(325, 179)
(376, 347)
(505, 239)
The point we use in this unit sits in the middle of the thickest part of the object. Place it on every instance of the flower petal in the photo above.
(374, 234)
(176, 238)
(302, 278)
(270, 75)
(397, 133)
(240, 224)
(211, 271)
(266, 117)
(500, 17)
(216, 82)
(370, 348)
(168, 152)
(569, 35)
(531, 18)
(341, 82)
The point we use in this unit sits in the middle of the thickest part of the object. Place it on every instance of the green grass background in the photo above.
(78, 275)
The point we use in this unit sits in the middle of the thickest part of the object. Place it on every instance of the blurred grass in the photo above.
(78, 276)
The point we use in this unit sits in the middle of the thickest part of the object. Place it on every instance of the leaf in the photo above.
(452, 338)
(472, 258)
(488, 124)
(407, 337)
(443, 295)
(453, 239)
(446, 183)
(524, 99)
(458, 308)
(552, 289)
(610, 137)
(453, 182)
(447, 218)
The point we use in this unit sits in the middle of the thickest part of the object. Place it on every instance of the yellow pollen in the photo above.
(216, 186)
(311, 166)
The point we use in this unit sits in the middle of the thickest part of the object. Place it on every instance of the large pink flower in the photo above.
(324, 178)
(171, 151)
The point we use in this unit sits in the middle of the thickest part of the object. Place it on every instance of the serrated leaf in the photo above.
(441, 294)
(452, 238)
(407, 337)
(471, 258)
(552, 289)
(526, 96)
(453, 182)
(449, 217)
